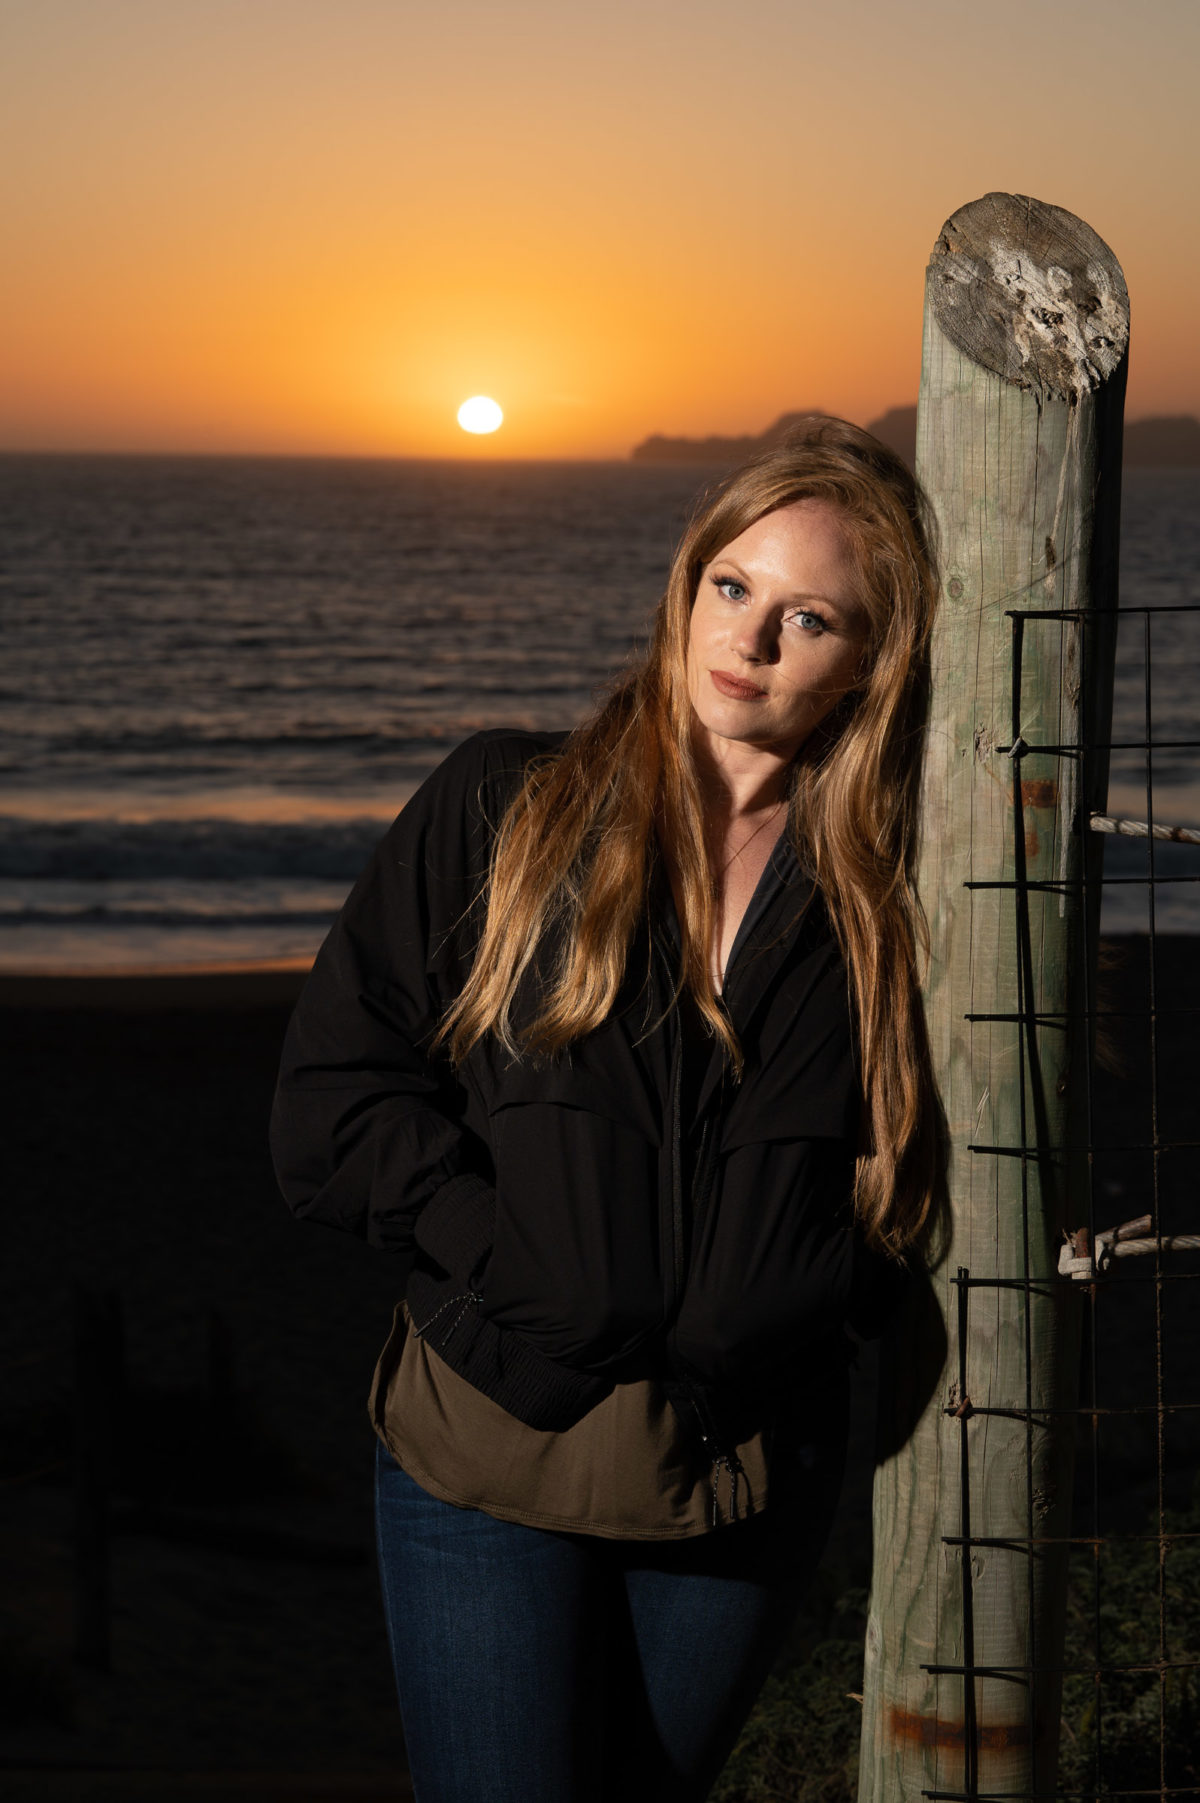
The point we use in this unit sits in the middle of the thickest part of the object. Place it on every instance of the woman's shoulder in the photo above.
(499, 752)
(481, 775)
(428, 871)
(507, 751)
(446, 828)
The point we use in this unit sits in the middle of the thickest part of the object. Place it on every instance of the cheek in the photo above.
(822, 682)
(846, 668)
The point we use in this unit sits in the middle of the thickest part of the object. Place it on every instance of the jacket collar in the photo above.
(782, 904)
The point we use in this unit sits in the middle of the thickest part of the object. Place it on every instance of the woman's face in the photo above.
(778, 633)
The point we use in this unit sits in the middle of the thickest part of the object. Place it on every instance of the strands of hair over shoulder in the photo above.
(576, 851)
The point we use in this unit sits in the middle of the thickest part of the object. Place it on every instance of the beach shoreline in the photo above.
(269, 983)
(277, 982)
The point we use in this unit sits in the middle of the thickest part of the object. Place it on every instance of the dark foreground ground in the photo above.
(247, 1655)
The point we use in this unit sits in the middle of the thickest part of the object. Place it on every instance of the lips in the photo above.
(735, 688)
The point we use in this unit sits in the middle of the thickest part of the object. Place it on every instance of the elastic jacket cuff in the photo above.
(502, 1364)
(455, 1227)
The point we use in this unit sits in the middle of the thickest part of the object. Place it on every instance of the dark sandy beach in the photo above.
(245, 1632)
(248, 1655)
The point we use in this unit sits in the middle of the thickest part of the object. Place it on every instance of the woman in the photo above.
(617, 1043)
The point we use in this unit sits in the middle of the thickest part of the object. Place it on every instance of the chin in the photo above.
(747, 732)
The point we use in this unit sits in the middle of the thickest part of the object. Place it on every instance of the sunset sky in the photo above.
(277, 225)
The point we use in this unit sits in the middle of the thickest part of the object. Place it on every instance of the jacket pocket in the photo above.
(575, 1264)
(772, 1268)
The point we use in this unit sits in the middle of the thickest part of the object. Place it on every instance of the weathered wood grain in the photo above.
(1029, 292)
(1023, 370)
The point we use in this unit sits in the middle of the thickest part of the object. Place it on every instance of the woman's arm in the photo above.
(366, 1130)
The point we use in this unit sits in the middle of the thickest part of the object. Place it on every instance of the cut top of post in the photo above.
(1030, 292)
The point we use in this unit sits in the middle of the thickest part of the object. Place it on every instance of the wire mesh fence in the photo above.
(1129, 1672)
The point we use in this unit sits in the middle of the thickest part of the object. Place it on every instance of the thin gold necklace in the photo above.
(746, 843)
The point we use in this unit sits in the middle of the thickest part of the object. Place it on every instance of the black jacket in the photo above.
(624, 1209)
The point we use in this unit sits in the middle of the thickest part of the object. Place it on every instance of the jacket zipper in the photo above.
(678, 1224)
(723, 1458)
(702, 1177)
(673, 1262)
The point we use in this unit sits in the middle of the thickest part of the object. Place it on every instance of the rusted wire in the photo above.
(1088, 1253)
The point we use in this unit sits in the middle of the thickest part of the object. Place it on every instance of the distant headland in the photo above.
(1168, 441)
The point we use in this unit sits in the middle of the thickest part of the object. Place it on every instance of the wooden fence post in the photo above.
(1018, 446)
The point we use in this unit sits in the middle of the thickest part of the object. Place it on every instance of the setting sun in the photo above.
(480, 414)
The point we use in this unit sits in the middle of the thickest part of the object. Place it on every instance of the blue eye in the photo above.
(808, 622)
(726, 583)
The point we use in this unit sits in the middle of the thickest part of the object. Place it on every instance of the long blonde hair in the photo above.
(577, 847)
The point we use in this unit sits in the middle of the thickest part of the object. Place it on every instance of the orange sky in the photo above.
(285, 225)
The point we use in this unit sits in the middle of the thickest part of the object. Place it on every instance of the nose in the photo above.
(756, 639)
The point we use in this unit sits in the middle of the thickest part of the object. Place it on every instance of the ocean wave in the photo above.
(178, 919)
(182, 633)
(102, 850)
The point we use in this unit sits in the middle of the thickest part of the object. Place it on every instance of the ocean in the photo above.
(223, 677)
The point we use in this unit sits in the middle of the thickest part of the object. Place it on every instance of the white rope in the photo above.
(1130, 1240)
(1140, 829)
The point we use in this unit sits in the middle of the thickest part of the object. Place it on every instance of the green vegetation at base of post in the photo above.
(1125, 1757)
(801, 1742)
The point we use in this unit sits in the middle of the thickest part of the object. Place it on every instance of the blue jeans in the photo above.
(541, 1667)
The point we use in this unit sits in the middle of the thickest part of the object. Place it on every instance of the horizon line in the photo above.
(480, 457)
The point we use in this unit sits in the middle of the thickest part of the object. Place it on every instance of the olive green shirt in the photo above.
(625, 1471)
